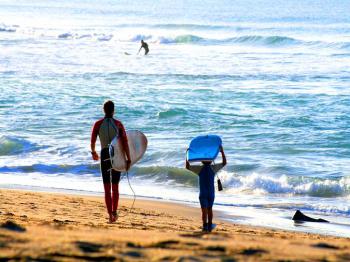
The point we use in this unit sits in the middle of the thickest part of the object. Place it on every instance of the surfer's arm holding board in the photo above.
(122, 134)
(194, 168)
(125, 143)
(217, 167)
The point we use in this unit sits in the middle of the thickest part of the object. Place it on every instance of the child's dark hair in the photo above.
(108, 108)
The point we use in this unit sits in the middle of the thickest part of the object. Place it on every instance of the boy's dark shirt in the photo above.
(206, 173)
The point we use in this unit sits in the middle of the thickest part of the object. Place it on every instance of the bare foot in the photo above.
(111, 219)
(115, 216)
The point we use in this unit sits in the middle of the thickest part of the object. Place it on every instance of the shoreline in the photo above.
(58, 227)
(239, 217)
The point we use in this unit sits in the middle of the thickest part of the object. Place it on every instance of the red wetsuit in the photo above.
(106, 129)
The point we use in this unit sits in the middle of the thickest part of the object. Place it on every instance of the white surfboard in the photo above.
(137, 142)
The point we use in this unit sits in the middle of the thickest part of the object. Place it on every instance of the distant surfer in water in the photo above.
(206, 173)
(106, 129)
(145, 46)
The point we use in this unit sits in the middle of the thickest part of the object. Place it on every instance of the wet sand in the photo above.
(61, 227)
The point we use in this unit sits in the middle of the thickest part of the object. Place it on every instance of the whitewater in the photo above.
(271, 80)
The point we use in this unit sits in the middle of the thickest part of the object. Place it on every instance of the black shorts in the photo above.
(109, 175)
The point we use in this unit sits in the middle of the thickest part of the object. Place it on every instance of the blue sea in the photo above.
(271, 78)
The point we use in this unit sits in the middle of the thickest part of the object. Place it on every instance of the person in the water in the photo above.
(106, 129)
(144, 45)
(206, 173)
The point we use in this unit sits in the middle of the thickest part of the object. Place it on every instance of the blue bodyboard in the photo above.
(203, 148)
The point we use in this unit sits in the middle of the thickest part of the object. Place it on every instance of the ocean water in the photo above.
(273, 80)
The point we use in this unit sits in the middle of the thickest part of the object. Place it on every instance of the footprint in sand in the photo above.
(252, 251)
(88, 246)
(10, 225)
(134, 254)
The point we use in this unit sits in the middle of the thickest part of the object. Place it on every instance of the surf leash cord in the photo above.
(134, 196)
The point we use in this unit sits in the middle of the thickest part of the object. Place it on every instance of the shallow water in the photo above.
(272, 81)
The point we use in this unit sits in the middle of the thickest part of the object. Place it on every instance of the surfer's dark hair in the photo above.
(108, 108)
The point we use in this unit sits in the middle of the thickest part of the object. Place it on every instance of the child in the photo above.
(206, 173)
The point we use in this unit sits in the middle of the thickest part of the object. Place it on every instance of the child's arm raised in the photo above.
(217, 167)
(224, 162)
(187, 165)
(195, 169)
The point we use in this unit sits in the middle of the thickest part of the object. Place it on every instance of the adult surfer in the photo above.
(145, 46)
(106, 129)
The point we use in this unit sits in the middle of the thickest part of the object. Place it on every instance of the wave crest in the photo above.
(195, 38)
(265, 40)
(171, 113)
(264, 184)
(7, 29)
(14, 145)
(253, 183)
(98, 37)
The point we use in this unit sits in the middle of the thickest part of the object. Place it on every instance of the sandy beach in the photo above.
(61, 227)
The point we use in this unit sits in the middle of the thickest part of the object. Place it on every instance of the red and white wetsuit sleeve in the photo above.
(95, 130)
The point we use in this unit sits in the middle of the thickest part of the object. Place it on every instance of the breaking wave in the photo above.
(14, 146)
(254, 40)
(98, 37)
(233, 183)
(7, 28)
(193, 37)
(52, 169)
(171, 113)
(265, 184)
(254, 183)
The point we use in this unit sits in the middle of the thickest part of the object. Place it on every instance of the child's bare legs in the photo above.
(210, 215)
(210, 218)
(207, 211)
(205, 218)
(204, 215)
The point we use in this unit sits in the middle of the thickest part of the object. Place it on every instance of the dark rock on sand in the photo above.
(300, 217)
